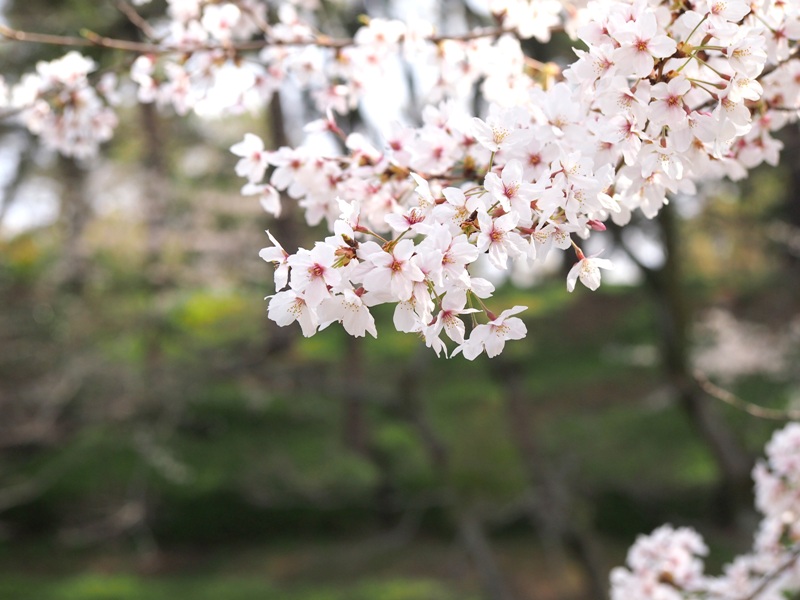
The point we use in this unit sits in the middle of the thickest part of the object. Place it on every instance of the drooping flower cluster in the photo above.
(667, 564)
(663, 96)
(60, 104)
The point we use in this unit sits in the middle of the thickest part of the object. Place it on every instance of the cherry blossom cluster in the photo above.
(663, 96)
(432, 225)
(668, 563)
(210, 73)
(59, 103)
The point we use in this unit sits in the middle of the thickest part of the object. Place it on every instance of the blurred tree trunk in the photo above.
(790, 211)
(667, 286)
(470, 527)
(155, 189)
(669, 289)
(472, 533)
(76, 212)
(152, 381)
(284, 228)
(551, 510)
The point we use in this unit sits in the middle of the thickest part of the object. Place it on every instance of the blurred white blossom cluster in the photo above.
(668, 563)
(211, 75)
(59, 103)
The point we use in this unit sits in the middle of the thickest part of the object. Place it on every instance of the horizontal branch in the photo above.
(91, 39)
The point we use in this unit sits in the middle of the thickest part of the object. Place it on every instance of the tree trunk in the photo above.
(551, 510)
(668, 286)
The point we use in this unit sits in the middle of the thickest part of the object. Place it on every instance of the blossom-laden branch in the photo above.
(664, 95)
(627, 125)
(668, 563)
(91, 39)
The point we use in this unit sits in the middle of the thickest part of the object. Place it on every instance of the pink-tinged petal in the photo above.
(307, 322)
(316, 291)
(405, 317)
(498, 255)
(512, 172)
(662, 46)
(507, 222)
(286, 307)
(482, 132)
(270, 201)
(454, 328)
(403, 250)
(381, 259)
(251, 143)
(572, 276)
(378, 280)
(509, 312)
(454, 196)
(494, 344)
(402, 287)
(515, 329)
(493, 185)
(642, 64)
(357, 321)
(272, 254)
(603, 263)
(646, 25)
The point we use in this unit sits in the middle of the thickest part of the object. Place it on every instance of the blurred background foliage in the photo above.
(159, 438)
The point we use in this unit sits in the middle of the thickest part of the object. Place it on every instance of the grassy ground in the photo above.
(270, 465)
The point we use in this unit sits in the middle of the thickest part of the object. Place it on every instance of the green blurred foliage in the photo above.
(121, 587)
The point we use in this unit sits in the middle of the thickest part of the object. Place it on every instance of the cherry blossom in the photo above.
(661, 97)
(350, 311)
(254, 160)
(640, 44)
(289, 306)
(588, 270)
(491, 337)
(497, 236)
(277, 255)
(394, 271)
(313, 271)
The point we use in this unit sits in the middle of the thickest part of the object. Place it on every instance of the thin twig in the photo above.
(753, 409)
(136, 19)
(770, 577)
(90, 39)
(255, 18)
(792, 54)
